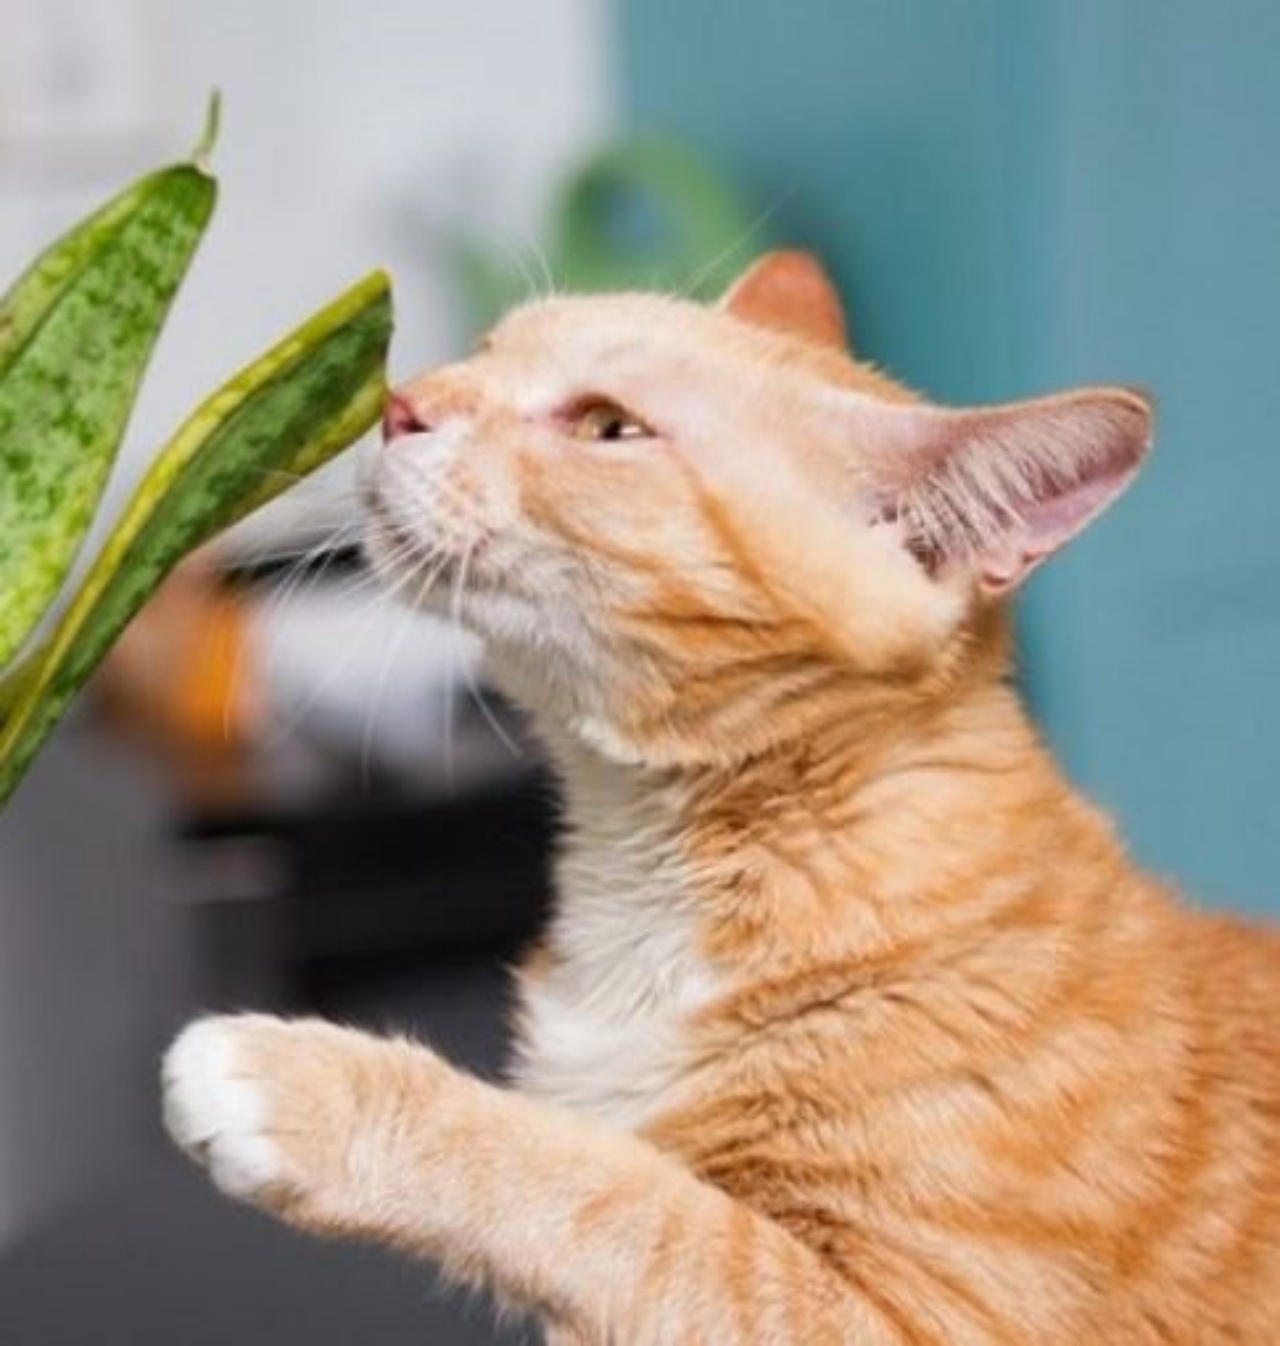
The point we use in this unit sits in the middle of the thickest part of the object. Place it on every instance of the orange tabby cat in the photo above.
(854, 1022)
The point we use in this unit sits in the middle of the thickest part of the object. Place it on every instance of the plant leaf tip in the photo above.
(209, 136)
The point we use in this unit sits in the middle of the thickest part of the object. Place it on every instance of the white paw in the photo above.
(215, 1111)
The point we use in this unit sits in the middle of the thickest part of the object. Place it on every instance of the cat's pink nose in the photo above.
(401, 417)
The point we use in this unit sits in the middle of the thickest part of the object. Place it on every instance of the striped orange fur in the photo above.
(854, 1022)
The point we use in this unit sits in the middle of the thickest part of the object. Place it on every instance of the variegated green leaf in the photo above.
(76, 335)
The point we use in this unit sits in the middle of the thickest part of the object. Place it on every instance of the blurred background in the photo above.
(281, 792)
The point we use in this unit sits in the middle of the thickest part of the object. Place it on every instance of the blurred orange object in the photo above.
(181, 681)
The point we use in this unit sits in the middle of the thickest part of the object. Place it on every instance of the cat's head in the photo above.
(675, 526)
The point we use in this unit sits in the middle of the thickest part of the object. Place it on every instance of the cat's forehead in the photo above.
(598, 335)
(608, 328)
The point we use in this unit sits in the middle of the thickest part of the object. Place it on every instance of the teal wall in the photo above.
(1021, 194)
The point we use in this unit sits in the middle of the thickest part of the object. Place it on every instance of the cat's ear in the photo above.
(997, 490)
(789, 292)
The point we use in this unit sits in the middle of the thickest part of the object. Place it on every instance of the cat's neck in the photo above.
(854, 839)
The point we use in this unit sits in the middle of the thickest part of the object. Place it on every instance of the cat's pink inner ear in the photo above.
(790, 292)
(1000, 489)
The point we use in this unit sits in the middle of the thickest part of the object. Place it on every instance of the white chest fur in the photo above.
(604, 1029)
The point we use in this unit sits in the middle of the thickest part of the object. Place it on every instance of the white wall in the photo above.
(354, 131)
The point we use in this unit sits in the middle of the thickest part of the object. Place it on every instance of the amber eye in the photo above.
(605, 422)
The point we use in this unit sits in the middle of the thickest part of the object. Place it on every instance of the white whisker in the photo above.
(689, 288)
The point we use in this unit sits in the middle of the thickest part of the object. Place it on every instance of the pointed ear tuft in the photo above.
(789, 292)
(1000, 489)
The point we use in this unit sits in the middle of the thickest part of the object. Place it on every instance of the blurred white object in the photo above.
(349, 675)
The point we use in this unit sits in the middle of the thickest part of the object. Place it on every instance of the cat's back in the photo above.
(1220, 1237)
(1234, 967)
(1232, 974)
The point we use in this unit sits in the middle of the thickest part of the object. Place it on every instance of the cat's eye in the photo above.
(606, 422)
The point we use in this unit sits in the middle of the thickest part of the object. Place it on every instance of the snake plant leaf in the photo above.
(292, 410)
(76, 335)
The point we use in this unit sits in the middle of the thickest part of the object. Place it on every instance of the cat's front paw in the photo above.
(292, 1115)
(217, 1103)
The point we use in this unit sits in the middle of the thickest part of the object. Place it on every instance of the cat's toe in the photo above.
(216, 1111)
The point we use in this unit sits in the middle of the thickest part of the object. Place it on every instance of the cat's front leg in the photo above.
(604, 1237)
